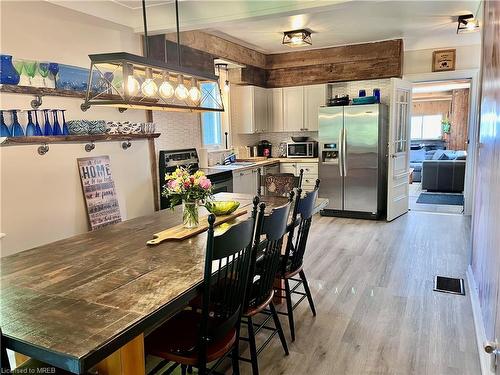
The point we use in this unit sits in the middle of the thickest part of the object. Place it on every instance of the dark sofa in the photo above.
(445, 172)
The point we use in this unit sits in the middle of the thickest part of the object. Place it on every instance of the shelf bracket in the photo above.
(126, 145)
(37, 102)
(90, 146)
(43, 149)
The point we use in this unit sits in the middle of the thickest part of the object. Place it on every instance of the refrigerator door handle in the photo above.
(344, 151)
(341, 152)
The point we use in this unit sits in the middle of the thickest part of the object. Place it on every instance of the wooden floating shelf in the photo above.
(9, 141)
(45, 91)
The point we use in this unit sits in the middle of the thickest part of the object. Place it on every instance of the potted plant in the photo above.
(182, 187)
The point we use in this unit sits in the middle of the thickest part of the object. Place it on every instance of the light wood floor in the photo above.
(377, 314)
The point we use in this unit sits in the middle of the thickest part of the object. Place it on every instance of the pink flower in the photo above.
(205, 183)
(173, 184)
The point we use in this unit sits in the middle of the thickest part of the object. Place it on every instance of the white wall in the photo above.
(41, 198)
(420, 61)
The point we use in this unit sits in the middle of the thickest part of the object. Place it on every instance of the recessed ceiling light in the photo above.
(297, 38)
(467, 24)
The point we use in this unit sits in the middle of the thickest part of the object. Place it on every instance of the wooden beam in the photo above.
(390, 49)
(249, 75)
(221, 48)
(336, 72)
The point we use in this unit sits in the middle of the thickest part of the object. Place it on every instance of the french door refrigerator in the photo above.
(353, 160)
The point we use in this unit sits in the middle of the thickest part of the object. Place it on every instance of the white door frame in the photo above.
(473, 75)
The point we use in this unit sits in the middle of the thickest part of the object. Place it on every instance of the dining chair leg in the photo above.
(235, 354)
(183, 369)
(277, 323)
(190, 369)
(253, 348)
(289, 307)
(308, 291)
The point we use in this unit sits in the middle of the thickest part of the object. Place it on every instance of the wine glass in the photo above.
(65, 129)
(16, 129)
(38, 129)
(43, 69)
(47, 127)
(56, 128)
(30, 126)
(4, 130)
(54, 69)
(19, 66)
(30, 68)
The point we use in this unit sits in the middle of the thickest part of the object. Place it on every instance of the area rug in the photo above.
(440, 198)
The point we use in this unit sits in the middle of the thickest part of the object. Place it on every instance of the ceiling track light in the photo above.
(467, 24)
(297, 38)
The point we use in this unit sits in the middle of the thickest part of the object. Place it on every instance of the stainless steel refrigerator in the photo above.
(353, 160)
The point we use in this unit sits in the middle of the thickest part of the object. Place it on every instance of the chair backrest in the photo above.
(227, 264)
(279, 184)
(4, 359)
(269, 233)
(298, 230)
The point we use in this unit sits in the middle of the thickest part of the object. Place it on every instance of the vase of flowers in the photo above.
(188, 189)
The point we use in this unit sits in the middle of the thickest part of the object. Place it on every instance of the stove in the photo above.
(170, 160)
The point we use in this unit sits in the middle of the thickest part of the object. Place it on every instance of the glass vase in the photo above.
(190, 217)
(8, 74)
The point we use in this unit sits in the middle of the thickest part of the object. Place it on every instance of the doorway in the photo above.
(438, 145)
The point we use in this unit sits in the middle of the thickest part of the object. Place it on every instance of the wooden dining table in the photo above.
(88, 300)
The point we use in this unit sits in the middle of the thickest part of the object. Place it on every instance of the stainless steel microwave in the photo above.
(302, 150)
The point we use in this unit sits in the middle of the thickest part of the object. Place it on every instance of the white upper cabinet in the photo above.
(258, 110)
(293, 108)
(314, 97)
(249, 109)
(275, 110)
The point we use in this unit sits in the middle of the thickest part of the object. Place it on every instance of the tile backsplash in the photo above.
(275, 138)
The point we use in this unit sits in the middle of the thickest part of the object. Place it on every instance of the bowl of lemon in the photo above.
(221, 208)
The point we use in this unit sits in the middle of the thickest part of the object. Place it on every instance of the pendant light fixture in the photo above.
(125, 81)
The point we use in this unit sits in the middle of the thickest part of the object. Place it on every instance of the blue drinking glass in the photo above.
(56, 128)
(65, 129)
(376, 93)
(54, 69)
(4, 129)
(16, 129)
(47, 127)
(362, 93)
(30, 126)
(38, 129)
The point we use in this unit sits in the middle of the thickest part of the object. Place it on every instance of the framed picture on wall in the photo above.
(443, 60)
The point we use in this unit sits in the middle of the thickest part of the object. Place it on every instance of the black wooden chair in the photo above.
(269, 233)
(279, 184)
(292, 261)
(31, 366)
(199, 335)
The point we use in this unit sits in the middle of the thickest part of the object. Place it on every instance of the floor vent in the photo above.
(449, 285)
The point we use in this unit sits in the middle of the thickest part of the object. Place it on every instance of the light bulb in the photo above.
(166, 90)
(471, 25)
(149, 87)
(226, 86)
(181, 92)
(194, 92)
(132, 86)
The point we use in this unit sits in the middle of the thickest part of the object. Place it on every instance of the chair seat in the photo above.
(177, 340)
(255, 307)
(288, 271)
(34, 366)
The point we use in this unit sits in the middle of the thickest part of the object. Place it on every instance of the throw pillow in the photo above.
(444, 157)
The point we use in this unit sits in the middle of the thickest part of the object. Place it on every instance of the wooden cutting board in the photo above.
(179, 233)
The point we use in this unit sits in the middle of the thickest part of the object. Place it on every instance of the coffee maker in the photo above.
(264, 148)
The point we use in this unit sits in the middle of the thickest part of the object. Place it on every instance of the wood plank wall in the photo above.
(486, 215)
(335, 64)
(459, 118)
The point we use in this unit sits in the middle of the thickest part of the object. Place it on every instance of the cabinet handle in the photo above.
(241, 173)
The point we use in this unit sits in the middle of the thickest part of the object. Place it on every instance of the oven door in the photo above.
(222, 185)
(299, 150)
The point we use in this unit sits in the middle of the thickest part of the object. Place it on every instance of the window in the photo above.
(211, 122)
(426, 127)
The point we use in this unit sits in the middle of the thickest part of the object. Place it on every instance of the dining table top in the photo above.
(73, 302)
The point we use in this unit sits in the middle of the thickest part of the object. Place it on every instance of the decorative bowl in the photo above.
(97, 127)
(221, 208)
(300, 139)
(78, 127)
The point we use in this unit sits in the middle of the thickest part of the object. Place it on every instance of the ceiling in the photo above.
(260, 24)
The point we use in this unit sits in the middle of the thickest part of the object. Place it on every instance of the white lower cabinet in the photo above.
(245, 182)
(309, 176)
